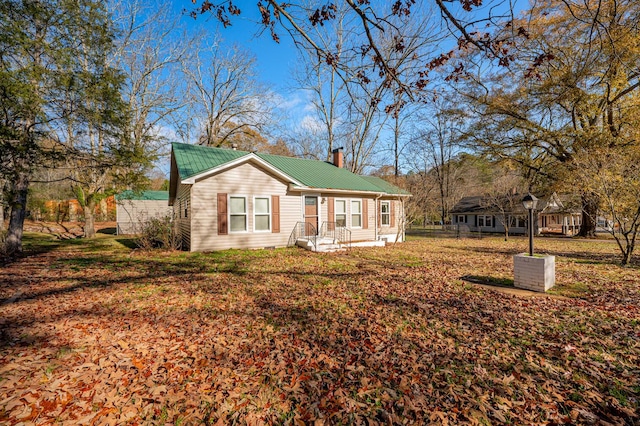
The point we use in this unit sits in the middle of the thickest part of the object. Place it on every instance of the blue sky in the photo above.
(274, 60)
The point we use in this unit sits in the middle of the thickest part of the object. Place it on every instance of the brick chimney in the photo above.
(338, 158)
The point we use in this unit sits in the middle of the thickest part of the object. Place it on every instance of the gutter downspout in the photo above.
(375, 216)
(404, 220)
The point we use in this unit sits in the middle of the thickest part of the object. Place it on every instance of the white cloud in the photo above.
(294, 102)
(311, 123)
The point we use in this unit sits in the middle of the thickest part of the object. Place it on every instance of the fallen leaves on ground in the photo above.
(93, 333)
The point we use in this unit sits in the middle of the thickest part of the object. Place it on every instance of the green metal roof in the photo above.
(385, 186)
(143, 195)
(319, 174)
(192, 160)
(195, 159)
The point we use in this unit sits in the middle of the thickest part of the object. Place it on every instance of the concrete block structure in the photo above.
(535, 273)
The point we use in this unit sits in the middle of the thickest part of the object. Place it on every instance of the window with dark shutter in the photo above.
(331, 213)
(365, 214)
(222, 214)
(275, 214)
(393, 214)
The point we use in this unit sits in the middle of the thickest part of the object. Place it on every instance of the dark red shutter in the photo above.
(275, 214)
(331, 213)
(365, 213)
(222, 214)
(392, 208)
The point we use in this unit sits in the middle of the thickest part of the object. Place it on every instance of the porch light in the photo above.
(530, 202)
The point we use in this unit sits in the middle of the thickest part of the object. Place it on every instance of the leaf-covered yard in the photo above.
(95, 333)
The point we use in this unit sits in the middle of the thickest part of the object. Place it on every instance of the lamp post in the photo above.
(530, 202)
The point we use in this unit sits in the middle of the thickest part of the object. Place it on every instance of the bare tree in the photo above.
(322, 79)
(363, 125)
(351, 100)
(435, 149)
(423, 205)
(226, 98)
(151, 49)
(504, 196)
(376, 23)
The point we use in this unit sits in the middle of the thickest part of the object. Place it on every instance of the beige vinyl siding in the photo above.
(132, 215)
(357, 234)
(396, 217)
(184, 224)
(361, 234)
(246, 180)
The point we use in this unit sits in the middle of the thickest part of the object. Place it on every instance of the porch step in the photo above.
(329, 248)
(329, 245)
(322, 245)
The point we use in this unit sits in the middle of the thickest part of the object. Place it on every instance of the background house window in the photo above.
(262, 214)
(385, 213)
(461, 218)
(485, 221)
(186, 208)
(356, 213)
(517, 222)
(238, 214)
(341, 212)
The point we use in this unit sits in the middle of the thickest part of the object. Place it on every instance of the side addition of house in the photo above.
(134, 209)
(223, 198)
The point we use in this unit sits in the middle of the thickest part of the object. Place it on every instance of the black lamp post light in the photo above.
(533, 273)
(530, 202)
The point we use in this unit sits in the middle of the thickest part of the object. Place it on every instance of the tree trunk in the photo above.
(89, 218)
(590, 203)
(1, 212)
(627, 253)
(104, 210)
(18, 203)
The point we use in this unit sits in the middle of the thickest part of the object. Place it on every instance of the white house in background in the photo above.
(554, 216)
(134, 209)
(224, 198)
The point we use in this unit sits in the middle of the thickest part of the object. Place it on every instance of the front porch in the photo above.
(330, 238)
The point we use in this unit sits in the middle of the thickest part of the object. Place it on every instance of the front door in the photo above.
(311, 214)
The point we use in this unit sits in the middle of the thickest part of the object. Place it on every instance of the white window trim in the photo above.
(351, 201)
(335, 210)
(484, 219)
(246, 213)
(513, 222)
(270, 213)
(388, 213)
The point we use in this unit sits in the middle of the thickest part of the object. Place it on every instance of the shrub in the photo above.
(159, 233)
